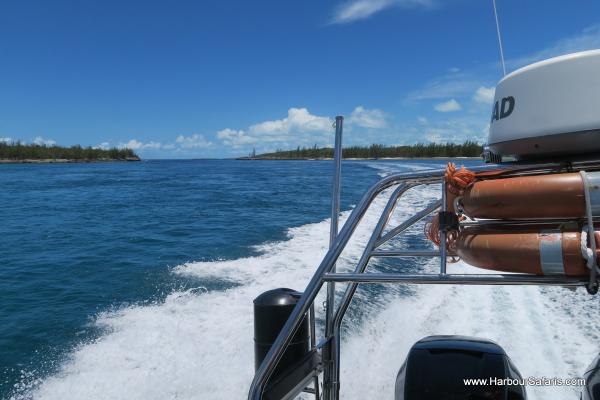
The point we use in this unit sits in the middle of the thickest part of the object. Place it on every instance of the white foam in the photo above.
(390, 167)
(538, 331)
(198, 344)
(194, 345)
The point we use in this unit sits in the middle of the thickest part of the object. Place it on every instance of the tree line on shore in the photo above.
(420, 150)
(20, 151)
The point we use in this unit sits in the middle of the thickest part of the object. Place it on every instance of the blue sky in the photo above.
(218, 78)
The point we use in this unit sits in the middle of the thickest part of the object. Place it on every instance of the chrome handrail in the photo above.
(333, 390)
(458, 279)
(333, 232)
(308, 296)
(323, 274)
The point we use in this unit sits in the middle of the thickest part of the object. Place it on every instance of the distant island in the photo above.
(34, 153)
(376, 151)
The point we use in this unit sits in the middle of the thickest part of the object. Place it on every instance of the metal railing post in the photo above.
(443, 248)
(347, 297)
(333, 232)
(324, 275)
(337, 176)
(313, 346)
(308, 296)
(409, 222)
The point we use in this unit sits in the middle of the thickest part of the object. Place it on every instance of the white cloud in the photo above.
(235, 138)
(454, 130)
(187, 143)
(137, 145)
(103, 146)
(299, 127)
(132, 144)
(297, 120)
(41, 141)
(447, 86)
(6, 140)
(366, 118)
(448, 106)
(228, 133)
(588, 39)
(461, 84)
(152, 145)
(194, 141)
(433, 136)
(484, 94)
(355, 10)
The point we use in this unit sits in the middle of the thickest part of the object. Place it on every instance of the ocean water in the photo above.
(136, 281)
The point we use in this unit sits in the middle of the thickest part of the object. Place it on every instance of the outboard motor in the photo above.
(592, 379)
(271, 311)
(437, 368)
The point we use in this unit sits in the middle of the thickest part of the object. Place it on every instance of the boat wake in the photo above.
(198, 344)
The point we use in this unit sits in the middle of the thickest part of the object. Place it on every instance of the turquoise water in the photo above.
(136, 280)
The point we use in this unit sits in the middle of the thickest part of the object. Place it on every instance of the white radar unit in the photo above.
(547, 110)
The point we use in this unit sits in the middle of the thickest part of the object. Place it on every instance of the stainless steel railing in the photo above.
(325, 272)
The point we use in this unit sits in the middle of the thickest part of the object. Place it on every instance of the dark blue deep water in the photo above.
(79, 239)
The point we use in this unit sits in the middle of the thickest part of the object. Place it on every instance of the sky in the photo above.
(211, 79)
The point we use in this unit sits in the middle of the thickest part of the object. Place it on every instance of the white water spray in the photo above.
(198, 344)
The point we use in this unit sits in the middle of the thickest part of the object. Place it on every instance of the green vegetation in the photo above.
(33, 152)
(449, 150)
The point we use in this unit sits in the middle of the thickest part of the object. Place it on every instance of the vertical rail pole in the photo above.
(328, 388)
(351, 288)
(443, 232)
(313, 346)
(337, 175)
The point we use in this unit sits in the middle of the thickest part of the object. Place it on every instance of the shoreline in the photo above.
(353, 159)
(64, 161)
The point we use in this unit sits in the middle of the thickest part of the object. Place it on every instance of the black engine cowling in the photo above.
(592, 379)
(437, 366)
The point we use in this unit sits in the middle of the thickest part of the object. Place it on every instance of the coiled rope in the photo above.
(457, 180)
